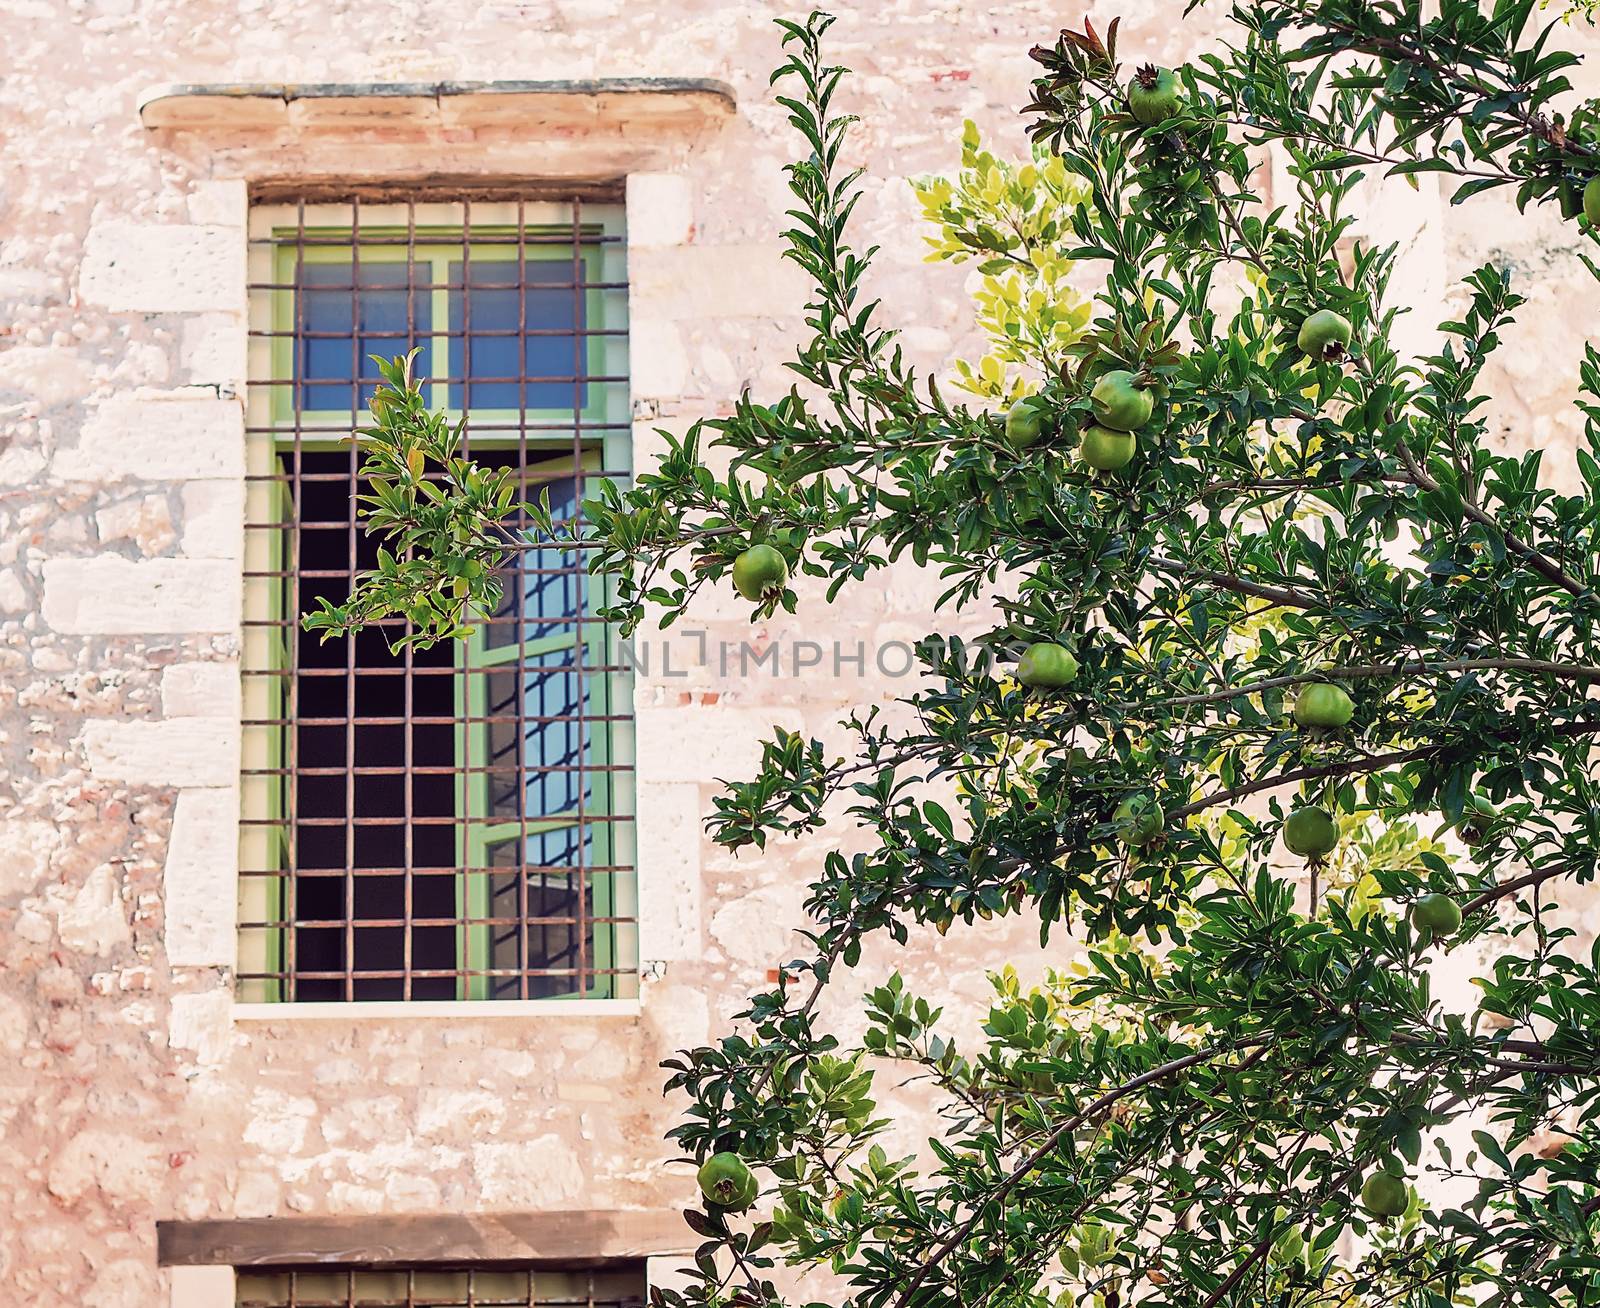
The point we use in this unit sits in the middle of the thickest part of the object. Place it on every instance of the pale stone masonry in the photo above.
(131, 1087)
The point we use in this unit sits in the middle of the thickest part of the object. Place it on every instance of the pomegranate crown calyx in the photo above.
(1147, 75)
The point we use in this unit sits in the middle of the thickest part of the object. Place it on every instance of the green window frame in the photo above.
(443, 240)
(435, 250)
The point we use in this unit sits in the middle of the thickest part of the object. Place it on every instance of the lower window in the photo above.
(466, 1287)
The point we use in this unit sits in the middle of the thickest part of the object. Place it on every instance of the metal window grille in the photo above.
(436, 1287)
(452, 823)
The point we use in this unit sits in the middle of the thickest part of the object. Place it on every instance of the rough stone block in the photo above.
(660, 210)
(183, 752)
(279, 1122)
(658, 364)
(201, 690)
(145, 521)
(29, 845)
(201, 879)
(759, 928)
(705, 743)
(162, 268)
(16, 1027)
(459, 1113)
(669, 836)
(213, 519)
(14, 596)
(704, 283)
(537, 1174)
(213, 350)
(200, 1287)
(123, 1283)
(95, 919)
(110, 1159)
(51, 375)
(203, 1024)
(164, 436)
(219, 203)
(112, 596)
(679, 1015)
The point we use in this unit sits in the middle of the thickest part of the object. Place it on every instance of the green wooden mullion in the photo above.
(278, 891)
(498, 832)
(498, 655)
(472, 799)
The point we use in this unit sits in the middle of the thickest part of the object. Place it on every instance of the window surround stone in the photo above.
(240, 140)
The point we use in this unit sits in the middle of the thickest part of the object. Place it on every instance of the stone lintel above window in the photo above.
(600, 127)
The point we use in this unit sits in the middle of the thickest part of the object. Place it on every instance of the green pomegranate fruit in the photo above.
(1138, 820)
(1591, 201)
(1044, 665)
(1437, 916)
(1153, 94)
(1385, 1195)
(1024, 424)
(1323, 706)
(1310, 832)
(727, 1182)
(760, 572)
(1120, 402)
(1477, 821)
(1324, 335)
(1105, 450)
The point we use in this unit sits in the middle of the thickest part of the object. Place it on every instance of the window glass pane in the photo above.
(508, 909)
(518, 347)
(502, 734)
(553, 689)
(350, 311)
(544, 588)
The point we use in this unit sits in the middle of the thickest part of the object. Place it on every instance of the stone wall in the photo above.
(128, 1090)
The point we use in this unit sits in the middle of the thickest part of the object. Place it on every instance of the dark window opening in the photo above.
(475, 862)
(364, 819)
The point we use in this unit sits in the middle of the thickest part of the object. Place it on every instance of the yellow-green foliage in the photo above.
(1014, 219)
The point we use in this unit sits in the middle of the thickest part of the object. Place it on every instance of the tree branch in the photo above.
(1363, 671)
(1540, 563)
(1284, 595)
(1508, 888)
(1366, 763)
(1051, 1141)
